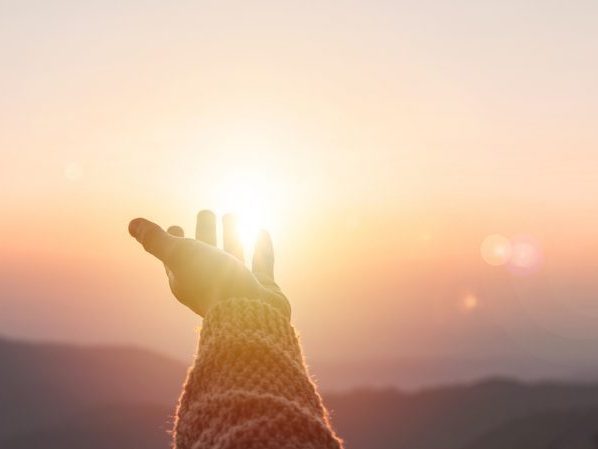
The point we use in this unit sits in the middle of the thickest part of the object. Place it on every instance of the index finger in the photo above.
(154, 239)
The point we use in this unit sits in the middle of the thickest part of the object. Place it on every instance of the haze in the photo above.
(381, 142)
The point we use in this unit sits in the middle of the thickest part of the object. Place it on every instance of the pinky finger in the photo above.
(177, 231)
(263, 256)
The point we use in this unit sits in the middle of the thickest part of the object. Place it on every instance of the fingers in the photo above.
(263, 255)
(153, 238)
(230, 236)
(205, 229)
(177, 231)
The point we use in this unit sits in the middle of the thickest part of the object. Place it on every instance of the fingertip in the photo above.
(152, 237)
(263, 236)
(176, 231)
(206, 214)
(134, 226)
(263, 243)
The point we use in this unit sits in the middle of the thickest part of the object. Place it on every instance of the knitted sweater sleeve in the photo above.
(249, 387)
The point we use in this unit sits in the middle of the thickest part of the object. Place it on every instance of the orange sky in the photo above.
(380, 142)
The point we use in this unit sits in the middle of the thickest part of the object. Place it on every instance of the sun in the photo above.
(253, 201)
(250, 221)
(243, 176)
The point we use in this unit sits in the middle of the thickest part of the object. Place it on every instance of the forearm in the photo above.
(249, 385)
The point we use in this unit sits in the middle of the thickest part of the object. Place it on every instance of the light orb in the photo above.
(468, 303)
(496, 250)
(526, 256)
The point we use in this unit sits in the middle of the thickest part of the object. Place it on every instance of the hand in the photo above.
(200, 275)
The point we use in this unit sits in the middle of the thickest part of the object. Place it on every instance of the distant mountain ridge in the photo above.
(43, 384)
(415, 373)
(67, 396)
(461, 416)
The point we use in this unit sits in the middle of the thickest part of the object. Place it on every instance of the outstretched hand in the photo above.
(200, 274)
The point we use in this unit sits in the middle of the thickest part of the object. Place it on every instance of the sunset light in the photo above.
(427, 177)
(254, 203)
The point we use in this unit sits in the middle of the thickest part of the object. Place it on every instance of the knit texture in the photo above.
(249, 387)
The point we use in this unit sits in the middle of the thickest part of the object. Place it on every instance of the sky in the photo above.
(428, 169)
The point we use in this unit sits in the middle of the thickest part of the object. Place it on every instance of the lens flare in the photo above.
(468, 303)
(526, 256)
(496, 250)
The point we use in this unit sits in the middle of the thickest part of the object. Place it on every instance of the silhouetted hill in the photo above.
(451, 417)
(572, 429)
(42, 385)
(61, 396)
(415, 373)
(119, 426)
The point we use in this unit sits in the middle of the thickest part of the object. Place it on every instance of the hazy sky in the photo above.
(382, 142)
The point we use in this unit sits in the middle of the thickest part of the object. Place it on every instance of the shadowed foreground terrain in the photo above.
(61, 396)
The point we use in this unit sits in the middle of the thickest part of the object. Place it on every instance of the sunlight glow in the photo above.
(235, 165)
(253, 201)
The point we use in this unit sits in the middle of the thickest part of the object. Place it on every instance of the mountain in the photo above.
(43, 385)
(416, 373)
(453, 417)
(106, 427)
(571, 429)
(66, 397)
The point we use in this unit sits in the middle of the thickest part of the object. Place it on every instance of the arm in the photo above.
(249, 386)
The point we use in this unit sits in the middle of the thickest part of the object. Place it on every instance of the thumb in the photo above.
(154, 239)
